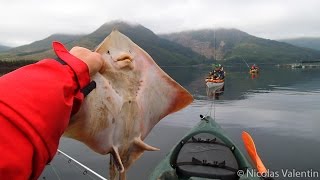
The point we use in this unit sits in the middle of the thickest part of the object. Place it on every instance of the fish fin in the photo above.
(116, 159)
(144, 146)
(138, 147)
(114, 174)
(159, 96)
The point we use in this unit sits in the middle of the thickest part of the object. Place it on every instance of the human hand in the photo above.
(93, 60)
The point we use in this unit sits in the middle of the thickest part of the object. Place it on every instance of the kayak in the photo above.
(216, 86)
(215, 83)
(214, 80)
(206, 152)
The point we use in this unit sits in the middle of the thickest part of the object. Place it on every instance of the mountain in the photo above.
(309, 42)
(44, 44)
(37, 49)
(161, 50)
(164, 52)
(4, 48)
(232, 45)
(183, 48)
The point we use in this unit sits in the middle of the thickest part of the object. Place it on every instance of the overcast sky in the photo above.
(25, 21)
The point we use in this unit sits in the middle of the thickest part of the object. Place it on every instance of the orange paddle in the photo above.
(251, 149)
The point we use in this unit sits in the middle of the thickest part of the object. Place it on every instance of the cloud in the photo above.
(26, 21)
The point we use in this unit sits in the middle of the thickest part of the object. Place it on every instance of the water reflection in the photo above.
(279, 107)
(254, 75)
(239, 83)
(215, 92)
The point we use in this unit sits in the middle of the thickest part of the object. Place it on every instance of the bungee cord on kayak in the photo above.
(79, 167)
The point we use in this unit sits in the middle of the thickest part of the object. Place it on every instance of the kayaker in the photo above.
(220, 67)
(211, 73)
(219, 72)
(36, 102)
(254, 67)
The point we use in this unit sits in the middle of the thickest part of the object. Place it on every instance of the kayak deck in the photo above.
(215, 85)
(203, 153)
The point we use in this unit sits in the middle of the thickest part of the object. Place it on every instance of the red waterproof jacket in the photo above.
(36, 102)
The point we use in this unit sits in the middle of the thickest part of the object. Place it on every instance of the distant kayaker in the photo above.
(36, 102)
(218, 72)
(254, 67)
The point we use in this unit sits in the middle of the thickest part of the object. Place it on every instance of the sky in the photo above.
(25, 21)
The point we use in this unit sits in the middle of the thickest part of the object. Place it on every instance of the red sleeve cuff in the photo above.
(79, 67)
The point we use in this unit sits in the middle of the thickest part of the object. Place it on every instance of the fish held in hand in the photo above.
(132, 95)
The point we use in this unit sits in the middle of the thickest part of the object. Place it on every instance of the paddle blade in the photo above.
(251, 149)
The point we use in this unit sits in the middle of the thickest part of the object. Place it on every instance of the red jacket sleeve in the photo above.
(36, 102)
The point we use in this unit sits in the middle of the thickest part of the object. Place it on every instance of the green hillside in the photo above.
(4, 48)
(38, 49)
(163, 51)
(231, 44)
(312, 43)
(44, 44)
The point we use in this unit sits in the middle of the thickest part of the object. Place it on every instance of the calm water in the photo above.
(280, 108)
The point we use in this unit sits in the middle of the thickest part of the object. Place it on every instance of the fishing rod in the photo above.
(80, 164)
(244, 61)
